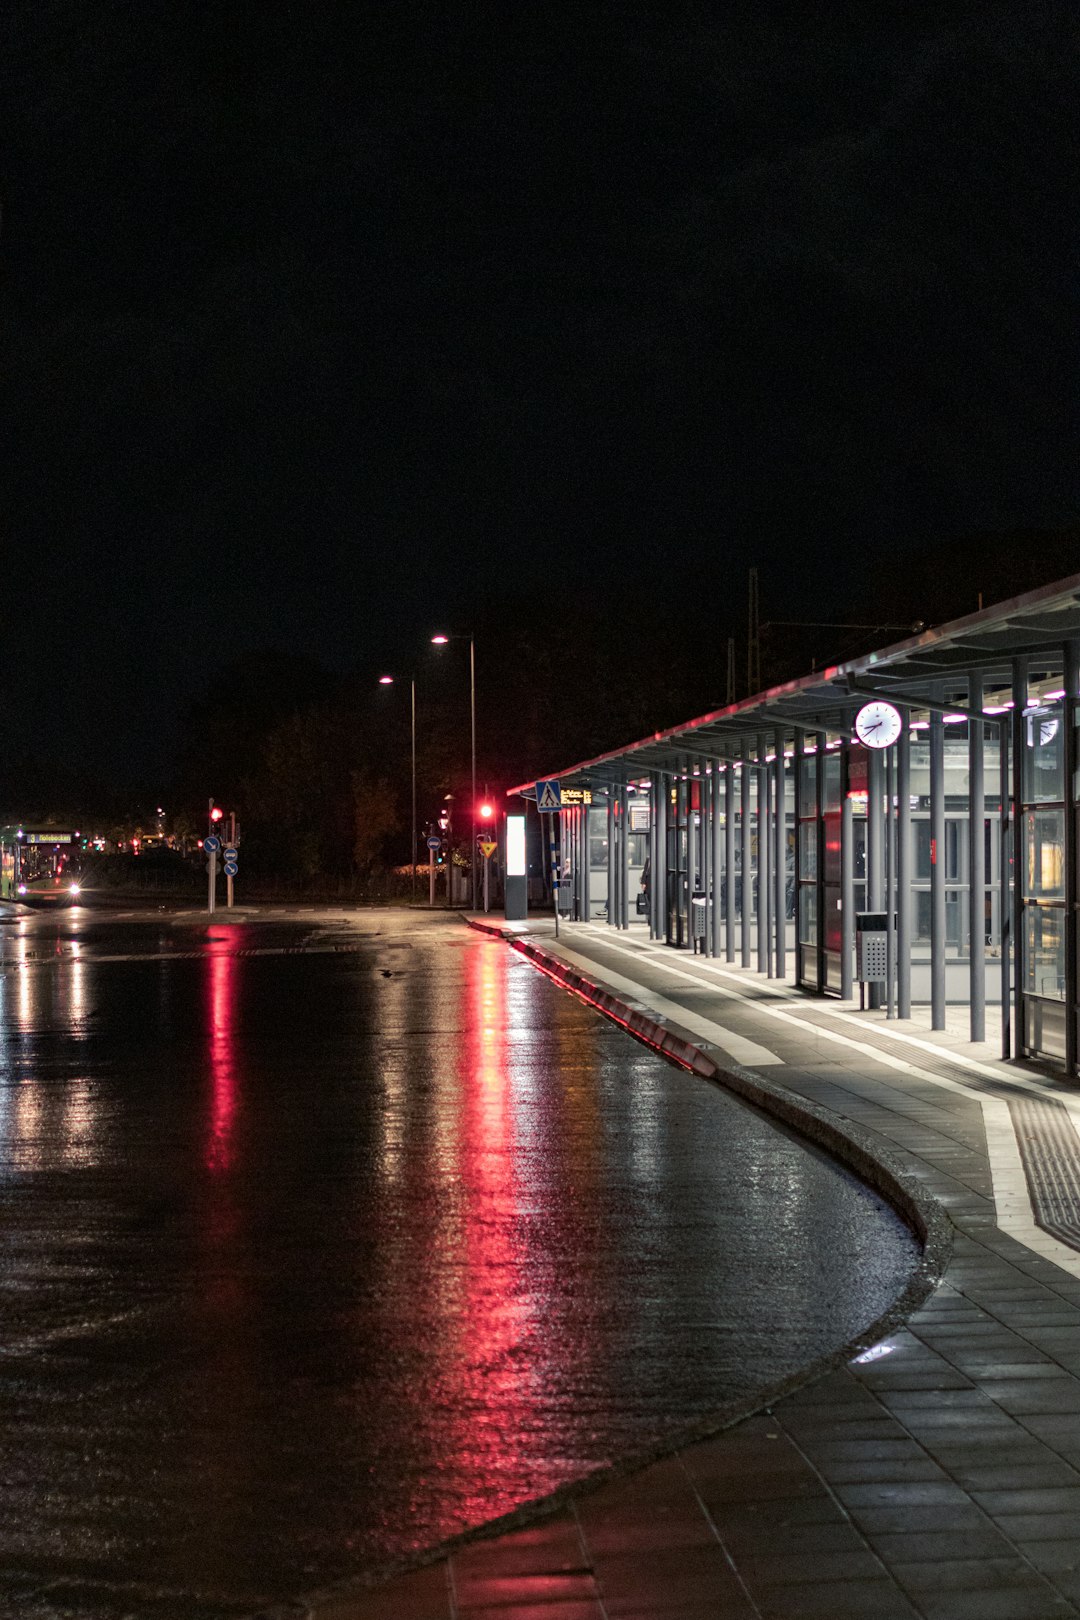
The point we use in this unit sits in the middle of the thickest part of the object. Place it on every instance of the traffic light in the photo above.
(487, 810)
(216, 813)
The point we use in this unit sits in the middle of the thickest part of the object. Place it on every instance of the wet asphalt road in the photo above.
(319, 1243)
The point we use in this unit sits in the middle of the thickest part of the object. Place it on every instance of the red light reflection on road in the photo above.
(494, 1310)
(221, 1020)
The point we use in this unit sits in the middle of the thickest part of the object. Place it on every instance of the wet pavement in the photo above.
(323, 1239)
(936, 1475)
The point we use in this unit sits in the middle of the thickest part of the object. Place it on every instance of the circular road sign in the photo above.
(211, 844)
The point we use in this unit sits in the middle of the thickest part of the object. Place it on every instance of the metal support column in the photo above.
(729, 858)
(761, 887)
(765, 854)
(1020, 703)
(654, 818)
(706, 853)
(624, 856)
(976, 861)
(611, 909)
(1072, 878)
(821, 740)
(798, 812)
(585, 898)
(890, 883)
(746, 885)
(875, 847)
(847, 884)
(780, 857)
(903, 867)
(1005, 888)
(660, 871)
(717, 861)
(937, 870)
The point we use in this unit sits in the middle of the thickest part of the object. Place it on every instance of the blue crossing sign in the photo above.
(548, 796)
(211, 843)
(231, 867)
(434, 843)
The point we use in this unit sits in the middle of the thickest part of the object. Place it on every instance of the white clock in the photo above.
(878, 724)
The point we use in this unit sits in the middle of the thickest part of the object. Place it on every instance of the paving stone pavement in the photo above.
(937, 1477)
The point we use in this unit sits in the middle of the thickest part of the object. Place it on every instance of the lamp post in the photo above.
(440, 641)
(388, 680)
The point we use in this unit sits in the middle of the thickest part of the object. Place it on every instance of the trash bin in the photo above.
(871, 946)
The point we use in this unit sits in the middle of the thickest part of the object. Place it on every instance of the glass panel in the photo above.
(955, 835)
(833, 781)
(1044, 1028)
(808, 849)
(1044, 854)
(808, 784)
(808, 913)
(921, 830)
(1044, 951)
(1044, 756)
(922, 914)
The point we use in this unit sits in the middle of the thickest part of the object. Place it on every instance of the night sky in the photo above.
(326, 325)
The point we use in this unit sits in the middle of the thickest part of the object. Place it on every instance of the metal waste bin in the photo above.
(871, 947)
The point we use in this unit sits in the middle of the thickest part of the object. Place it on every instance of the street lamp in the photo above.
(388, 680)
(441, 641)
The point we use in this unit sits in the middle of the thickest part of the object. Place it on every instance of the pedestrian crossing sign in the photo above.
(548, 796)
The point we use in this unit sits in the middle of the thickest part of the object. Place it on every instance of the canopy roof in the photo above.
(928, 671)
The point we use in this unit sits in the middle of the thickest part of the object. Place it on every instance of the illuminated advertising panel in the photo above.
(515, 846)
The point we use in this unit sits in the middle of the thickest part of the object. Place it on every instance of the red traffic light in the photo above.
(486, 811)
(216, 813)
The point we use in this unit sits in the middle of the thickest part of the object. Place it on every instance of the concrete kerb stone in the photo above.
(846, 1142)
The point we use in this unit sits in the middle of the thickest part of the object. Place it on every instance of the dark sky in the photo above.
(324, 323)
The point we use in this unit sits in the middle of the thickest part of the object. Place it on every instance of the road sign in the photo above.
(231, 867)
(488, 846)
(211, 844)
(230, 852)
(434, 843)
(548, 797)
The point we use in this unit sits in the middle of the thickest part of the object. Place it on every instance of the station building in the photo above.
(901, 827)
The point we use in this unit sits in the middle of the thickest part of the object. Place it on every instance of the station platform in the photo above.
(932, 1475)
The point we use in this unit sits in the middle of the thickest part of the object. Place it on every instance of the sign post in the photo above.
(549, 803)
(211, 844)
(488, 846)
(433, 844)
(232, 865)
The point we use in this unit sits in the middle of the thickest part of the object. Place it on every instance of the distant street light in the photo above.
(388, 680)
(441, 641)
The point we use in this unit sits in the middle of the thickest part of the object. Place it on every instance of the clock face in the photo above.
(878, 724)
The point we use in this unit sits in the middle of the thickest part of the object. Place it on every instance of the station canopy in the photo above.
(929, 672)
